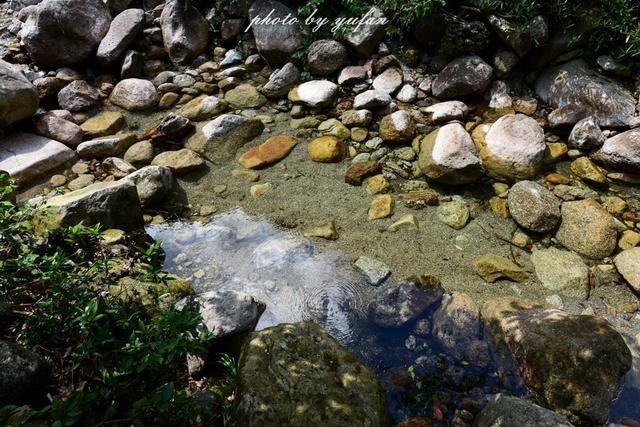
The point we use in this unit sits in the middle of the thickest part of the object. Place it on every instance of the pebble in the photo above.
(357, 172)
(493, 267)
(381, 207)
(247, 175)
(454, 214)
(407, 222)
(260, 190)
(377, 184)
(326, 149)
(375, 270)
(325, 231)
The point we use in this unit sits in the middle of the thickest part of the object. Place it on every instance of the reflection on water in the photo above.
(299, 282)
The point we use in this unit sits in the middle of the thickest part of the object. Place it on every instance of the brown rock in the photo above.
(381, 207)
(272, 150)
(493, 267)
(420, 199)
(359, 171)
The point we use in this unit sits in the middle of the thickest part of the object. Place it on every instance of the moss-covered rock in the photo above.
(296, 374)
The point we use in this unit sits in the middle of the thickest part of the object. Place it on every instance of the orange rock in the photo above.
(381, 207)
(326, 149)
(556, 178)
(273, 149)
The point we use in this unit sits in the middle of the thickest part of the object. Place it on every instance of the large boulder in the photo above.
(533, 207)
(185, 31)
(462, 76)
(297, 374)
(18, 97)
(221, 138)
(365, 38)
(621, 151)
(325, 57)
(448, 155)
(65, 32)
(587, 228)
(509, 411)
(21, 372)
(276, 43)
(26, 156)
(123, 30)
(574, 84)
(573, 364)
(153, 183)
(513, 148)
(112, 204)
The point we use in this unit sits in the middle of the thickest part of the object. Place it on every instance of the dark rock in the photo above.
(465, 38)
(18, 97)
(397, 305)
(510, 411)
(123, 30)
(462, 76)
(132, 65)
(275, 43)
(325, 57)
(533, 207)
(365, 39)
(20, 372)
(78, 95)
(281, 82)
(184, 30)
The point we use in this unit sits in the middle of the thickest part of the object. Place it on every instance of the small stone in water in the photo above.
(199, 274)
(325, 231)
(454, 214)
(219, 189)
(377, 184)
(259, 190)
(381, 207)
(247, 175)
(112, 236)
(375, 270)
(207, 210)
(407, 222)
(493, 267)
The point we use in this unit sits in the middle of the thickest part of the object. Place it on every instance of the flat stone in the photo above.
(376, 271)
(371, 99)
(454, 214)
(381, 207)
(351, 118)
(357, 172)
(180, 161)
(561, 271)
(271, 151)
(494, 267)
(443, 112)
(203, 107)
(107, 123)
(81, 181)
(26, 156)
(106, 146)
(456, 326)
(628, 264)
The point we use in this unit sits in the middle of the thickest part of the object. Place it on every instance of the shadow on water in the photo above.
(297, 281)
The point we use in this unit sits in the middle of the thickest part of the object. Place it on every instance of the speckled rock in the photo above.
(134, 94)
(315, 93)
(462, 76)
(533, 207)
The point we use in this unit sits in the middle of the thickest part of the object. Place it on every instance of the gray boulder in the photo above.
(153, 183)
(533, 207)
(20, 372)
(364, 39)
(462, 76)
(510, 411)
(57, 128)
(275, 43)
(123, 30)
(134, 94)
(448, 155)
(575, 84)
(586, 134)
(184, 30)
(78, 95)
(325, 57)
(621, 151)
(297, 374)
(65, 32)
(281, 82)
(221, 138)
(18, 97)
(103, 203)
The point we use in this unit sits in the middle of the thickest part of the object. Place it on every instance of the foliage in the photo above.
(112, 362)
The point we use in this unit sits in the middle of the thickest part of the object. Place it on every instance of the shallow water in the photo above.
(299, 281)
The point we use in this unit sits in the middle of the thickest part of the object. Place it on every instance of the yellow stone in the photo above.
(557, 150)
(499, 206)
(377, 184)
(103, 124)
(359, 134)
(614, 205)
(260, 190)
(326, 149)
(381, 207)
(407, 222)
(325, 231)
(629, 239)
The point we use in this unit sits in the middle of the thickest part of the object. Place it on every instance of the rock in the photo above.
(610, 66)
(276, 43)
(325, 57)
(493, 267)
(364, 39)
(117, 167)
(185, 32)
(245, 96)
(227, 313)
(628, 264)
(454, 214)
(140, 154)
(399, 304)
(397, 127)
(134, 94)
(271, 151)
(59, 129)
(504, 62)
(389, 81)
(335, 128)
(26, 156)
(224, 135)
(351, 118)
(124, 28)
(326, 149)
(448, 155)
(456, 325)
(232, 57)
(376, 271)
(505, 411)
(260, 190)
(560, 354)
(377, 184)
(575, 84)
(64, 32)
(381, 207)
(180, 161)
(81, 181)
(587, 171)
(106, 146)
(132, 65)
(77, 96)
(153, 183)
(463, 37)
(280, 373)
(98, 203)
(315, 93)
(561, 271)
(513, 147)
(357, 172)
(586, 134)
(587, 228)
(172, 127)
(462, 76)
(18, 97)
(406, 222)
(326, 231)
(21, 372)
(521, 38)
(351, 75)
(202, 108)
(443, 112)
(407, 94)
(103, 124)
(533, 207)
(371, 99)
(621, 151)
(569, 193)
(281, 82)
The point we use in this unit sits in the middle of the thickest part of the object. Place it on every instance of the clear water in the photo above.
(298, 281)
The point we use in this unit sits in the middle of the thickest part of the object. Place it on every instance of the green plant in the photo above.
(150, 263)
(111, 361)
